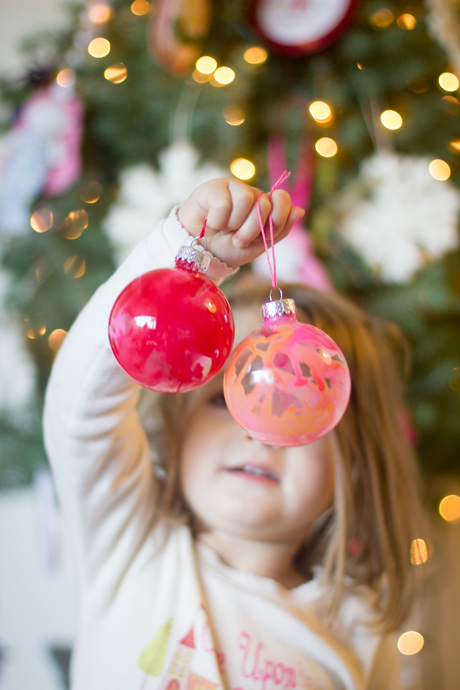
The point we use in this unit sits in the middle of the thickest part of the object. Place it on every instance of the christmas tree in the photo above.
(148, 100)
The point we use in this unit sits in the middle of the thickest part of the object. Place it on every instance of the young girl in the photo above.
(233, 565)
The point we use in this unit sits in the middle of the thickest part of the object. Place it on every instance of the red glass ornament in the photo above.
(288, 383)
(172, 329)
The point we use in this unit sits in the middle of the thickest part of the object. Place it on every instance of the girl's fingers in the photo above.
(243, 199)
(250, 229)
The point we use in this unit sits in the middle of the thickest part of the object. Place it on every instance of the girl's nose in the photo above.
(250, 438)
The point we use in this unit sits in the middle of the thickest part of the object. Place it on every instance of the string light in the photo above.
(100, 13)
(66, 77)
(140, 7)
(74, 224)
(391, 119)
(439, 169)
(326, 147)
(224, 75)
(116, 73)
(41, 220)
(255, 55)
(56, 338)
(448, 81)
(243, 169)
(454, 146)
(418, 552)
(35, 327)
(77, 263)
(382, 18)
(410, 643)
(206, 64)
(320, 111)
(233, 115)
(449, 508)
(91, 192)
(99, 47)
(200, 77)
(407, 22)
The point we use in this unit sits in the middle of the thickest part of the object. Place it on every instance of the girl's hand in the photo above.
(233, 230)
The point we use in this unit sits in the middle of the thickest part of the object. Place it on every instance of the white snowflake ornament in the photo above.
(396, 211)
(146, 196)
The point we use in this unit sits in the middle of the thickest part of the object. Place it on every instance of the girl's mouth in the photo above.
(254, 472)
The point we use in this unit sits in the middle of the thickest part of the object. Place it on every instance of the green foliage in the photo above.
(364, 72)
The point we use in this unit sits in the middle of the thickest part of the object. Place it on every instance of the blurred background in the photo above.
(113, 112)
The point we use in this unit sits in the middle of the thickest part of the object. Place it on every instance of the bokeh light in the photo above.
(418, 552)
(326, 147)
(56, 338)
(454, 379)
(206, 64)
(224, 75)
(454, 146)
(233, 115)
(99, 47)
(255, 55)
(382, 18)
(391, 119)
(100, 13)
(406, 21)
(75, 266)
(320, 111)
(140, 7)
(439, 169)
(200, 77)
(116, 73)
(243, 169)
(448, 81)
(449, 508)
(34, 327)
(41, 220)
(66, 77)
(410, 643)
(74, 224)
(91, 192)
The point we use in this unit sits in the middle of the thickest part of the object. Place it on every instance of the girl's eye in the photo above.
(218, 400)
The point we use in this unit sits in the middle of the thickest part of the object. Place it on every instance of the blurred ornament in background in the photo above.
(396, 213)
(146, 196)
(178, 29)
(443, 23)
(41, 153)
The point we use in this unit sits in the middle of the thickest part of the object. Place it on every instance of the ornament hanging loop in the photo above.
(280, 296)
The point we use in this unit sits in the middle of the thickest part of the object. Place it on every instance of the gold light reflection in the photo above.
(200, 77)
(451, 103)
(100, 13)
(35, 327)
(418, 552)
(326, 147)
(320, 112)
(448, 81)
(56, 338)
(99, 47)
(43, 270)
(75, 223)
(359, 65)
(410, 643)
(41, 220)
(75, 265)
(116, 73)
(255, 55)
(233, 115)
(242, 168)
(206, 64)
(391, 119)
(454, 380)
(91, 192)
(224, 75)
(382, 18)
(418, 85)
(140, 7)
(454, 146)
(439, 169)
(449, 508)
(407, 21)
(66, 77)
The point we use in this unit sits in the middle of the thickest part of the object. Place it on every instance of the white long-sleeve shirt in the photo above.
(159, 611)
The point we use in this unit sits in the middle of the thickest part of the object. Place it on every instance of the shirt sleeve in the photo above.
(94, 440)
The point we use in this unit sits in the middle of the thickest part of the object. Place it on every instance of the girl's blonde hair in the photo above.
(365, 539)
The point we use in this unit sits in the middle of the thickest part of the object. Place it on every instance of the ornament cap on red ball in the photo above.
(288, 383)
(172, 329)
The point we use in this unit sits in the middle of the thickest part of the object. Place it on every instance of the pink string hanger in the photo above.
(271, 265)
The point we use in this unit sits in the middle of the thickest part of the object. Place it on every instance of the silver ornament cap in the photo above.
(279, 307)
(194, 257)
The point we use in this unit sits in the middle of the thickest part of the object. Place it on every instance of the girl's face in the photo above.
(240, 487)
